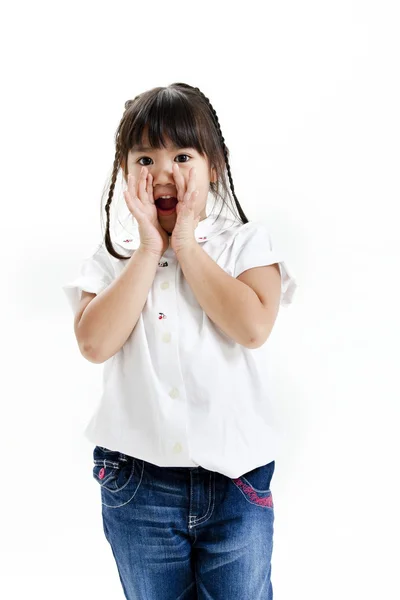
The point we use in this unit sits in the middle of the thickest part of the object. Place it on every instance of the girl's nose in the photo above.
(159, 169)
(163, 175)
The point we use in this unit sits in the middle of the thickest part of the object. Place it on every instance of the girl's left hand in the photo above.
(186, 222)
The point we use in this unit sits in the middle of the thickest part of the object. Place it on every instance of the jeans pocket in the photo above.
(112, 469)
(256, 485)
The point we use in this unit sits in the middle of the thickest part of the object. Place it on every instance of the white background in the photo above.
(307, 94)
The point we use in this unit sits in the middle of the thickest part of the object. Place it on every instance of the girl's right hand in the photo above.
(141, 204)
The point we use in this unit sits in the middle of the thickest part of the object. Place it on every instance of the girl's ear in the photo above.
(213, 176)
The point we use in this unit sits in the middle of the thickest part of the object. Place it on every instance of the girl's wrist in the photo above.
(147, 251)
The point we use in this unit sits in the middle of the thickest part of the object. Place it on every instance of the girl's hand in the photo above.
(186, 222)
(141, 204)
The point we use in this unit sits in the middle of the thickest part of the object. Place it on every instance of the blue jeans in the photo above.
(186, 533)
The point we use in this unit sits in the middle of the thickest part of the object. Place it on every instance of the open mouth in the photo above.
(166, 206)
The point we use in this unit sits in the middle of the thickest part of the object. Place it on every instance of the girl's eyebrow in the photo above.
(142, 149)
(149, 149)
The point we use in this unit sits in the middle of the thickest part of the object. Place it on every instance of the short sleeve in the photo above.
(253, 248)
(96, 273)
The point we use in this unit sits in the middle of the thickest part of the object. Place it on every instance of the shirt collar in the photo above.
(206, 229)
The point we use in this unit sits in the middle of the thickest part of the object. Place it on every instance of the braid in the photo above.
(116, 167)
(224, 148)
(107, 237)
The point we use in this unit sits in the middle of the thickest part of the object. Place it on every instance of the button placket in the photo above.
(170, 372)
(166, 336)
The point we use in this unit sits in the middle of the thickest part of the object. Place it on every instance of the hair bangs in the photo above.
(168, 116)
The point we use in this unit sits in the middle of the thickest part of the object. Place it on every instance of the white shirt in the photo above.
(180, 392)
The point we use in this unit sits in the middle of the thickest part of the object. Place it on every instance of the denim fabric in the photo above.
(186, 533)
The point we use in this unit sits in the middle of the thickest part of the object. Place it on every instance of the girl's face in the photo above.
(160, 162)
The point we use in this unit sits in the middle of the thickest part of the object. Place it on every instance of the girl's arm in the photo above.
(231, 304)
(108, 320)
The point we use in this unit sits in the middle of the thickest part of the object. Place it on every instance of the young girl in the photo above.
(184, 439)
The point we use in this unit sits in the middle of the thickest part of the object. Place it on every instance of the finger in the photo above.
(133, 205)
(180, 182)
(150, 188)
(132, 185)
(192, 200)
(192, 183)
(142, 184)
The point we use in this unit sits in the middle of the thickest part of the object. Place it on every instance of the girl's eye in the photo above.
(148, 158)
(145, 158)
(184, 155)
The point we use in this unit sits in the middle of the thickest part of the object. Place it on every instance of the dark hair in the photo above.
(186, 116)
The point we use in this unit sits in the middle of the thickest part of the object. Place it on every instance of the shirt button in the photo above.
(177, 448)
(165, 285)
(166, 337)
(174, 393)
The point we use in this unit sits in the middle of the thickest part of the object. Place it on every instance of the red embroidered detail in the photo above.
(162, 316)
(203, 238)
(102, 473)
(254, 497)
(128, 241)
